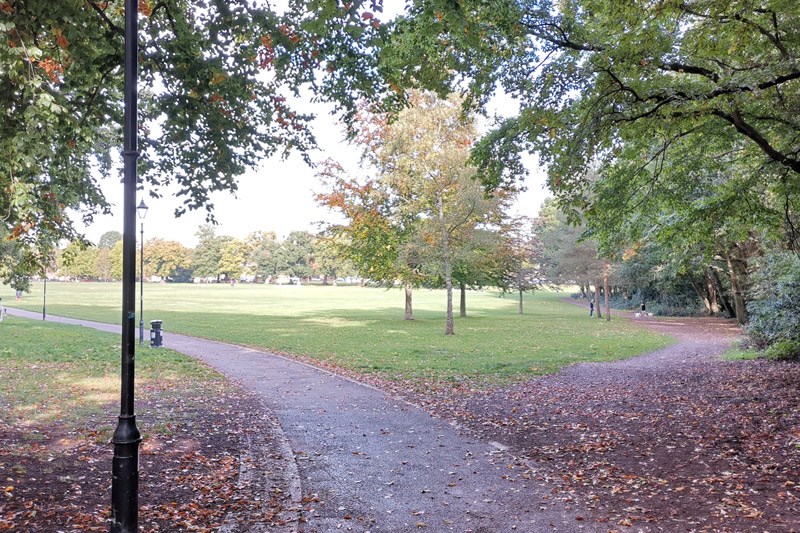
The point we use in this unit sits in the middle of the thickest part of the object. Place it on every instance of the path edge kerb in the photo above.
(250, 447)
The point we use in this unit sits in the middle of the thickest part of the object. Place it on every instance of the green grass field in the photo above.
(362, 328)
(58, 373)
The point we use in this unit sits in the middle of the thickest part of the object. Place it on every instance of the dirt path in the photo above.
(368, 462)
(675, 440)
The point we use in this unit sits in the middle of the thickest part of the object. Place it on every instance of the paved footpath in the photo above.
(376, 463)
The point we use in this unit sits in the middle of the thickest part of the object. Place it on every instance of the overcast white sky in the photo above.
(278, 196)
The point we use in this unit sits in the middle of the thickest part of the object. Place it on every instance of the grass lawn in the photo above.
(361, 328)
(59, 401)
(54, 373)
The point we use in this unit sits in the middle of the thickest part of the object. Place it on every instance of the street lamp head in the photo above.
(142, 210)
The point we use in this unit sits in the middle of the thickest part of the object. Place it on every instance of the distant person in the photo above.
(19, 295)
(591, 307)
(643, 307)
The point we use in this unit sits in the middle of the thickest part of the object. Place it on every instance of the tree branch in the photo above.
(750, 132)
(113, 27)
(690, 69)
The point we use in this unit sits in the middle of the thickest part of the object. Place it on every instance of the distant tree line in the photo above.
(216, 258)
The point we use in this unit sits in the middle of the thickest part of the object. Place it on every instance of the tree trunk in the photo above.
(737, 269)
(700, 293)
(726, 304)
(409, 312)
(597, 299)
(325, 279)
(607, 295)
(520, 301)
(463, 302)
(448, 270)
(713, 304)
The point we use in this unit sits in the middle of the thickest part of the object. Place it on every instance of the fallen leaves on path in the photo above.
(677, 440)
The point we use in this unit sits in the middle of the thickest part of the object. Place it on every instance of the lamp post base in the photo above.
(125, 472)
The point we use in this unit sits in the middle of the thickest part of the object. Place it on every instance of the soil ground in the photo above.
(55, 479)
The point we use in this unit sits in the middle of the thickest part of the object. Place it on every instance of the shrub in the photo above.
(774, 305)
(783, 350)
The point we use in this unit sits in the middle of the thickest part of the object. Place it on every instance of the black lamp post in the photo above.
(142, 211)
(126, 439)
(44, 297)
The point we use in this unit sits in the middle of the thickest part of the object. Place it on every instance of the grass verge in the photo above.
(361, 329)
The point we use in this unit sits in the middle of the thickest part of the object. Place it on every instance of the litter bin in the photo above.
(156, 337)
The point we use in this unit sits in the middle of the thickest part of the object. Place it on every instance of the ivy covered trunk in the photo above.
(720, 290)
(713, 303)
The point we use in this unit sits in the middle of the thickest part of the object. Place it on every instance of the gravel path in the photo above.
(368, 462)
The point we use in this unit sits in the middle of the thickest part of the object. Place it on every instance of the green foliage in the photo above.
(422, 218)
(295, 256)
(207, 255)
(233, 259)
(165, 258)
(16, 261)
(328, 263)
(78, 261)
(668, 124)
(567, 257)
(775, 305)
(109, 239)
(263, 255)
(208, 111)
(784, 350)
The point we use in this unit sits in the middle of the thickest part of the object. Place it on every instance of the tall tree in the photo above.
(328, 262)
(424, 201)
(79, 261)
(423, 159)
(375, 239)
(296, 254)
(522, 259)
(233, 259)
(109, 239)
(264, 246)
(208, 112)
(208, 252)
(626, 102)
(567, 256)
(165, 258)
